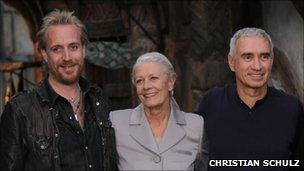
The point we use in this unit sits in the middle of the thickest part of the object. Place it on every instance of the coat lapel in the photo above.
(174, 132)
(140, 130)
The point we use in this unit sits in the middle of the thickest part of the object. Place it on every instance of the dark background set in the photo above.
(194, 35)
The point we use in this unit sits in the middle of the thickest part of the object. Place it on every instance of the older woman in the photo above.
(156, 135)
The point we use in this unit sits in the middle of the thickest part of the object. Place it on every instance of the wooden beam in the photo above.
(13, 66)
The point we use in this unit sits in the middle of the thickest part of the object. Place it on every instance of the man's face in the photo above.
(252, 62)
(64, 53)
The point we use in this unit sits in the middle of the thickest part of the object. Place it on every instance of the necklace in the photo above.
(77, 108)
(76, 101)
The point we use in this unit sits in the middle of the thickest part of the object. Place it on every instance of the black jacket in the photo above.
(29, 135)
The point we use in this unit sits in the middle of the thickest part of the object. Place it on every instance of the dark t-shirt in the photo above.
(272, 129)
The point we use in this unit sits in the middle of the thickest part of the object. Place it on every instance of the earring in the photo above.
(172, 93)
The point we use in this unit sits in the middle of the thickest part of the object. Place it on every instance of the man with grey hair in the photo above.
(64, 123)
(250, 120)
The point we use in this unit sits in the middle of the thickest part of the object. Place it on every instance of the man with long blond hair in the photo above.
(63, 124)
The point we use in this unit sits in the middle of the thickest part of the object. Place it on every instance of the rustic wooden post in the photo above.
(1, 56)
(1, 31)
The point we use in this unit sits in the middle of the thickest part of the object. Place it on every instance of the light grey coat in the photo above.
(181, 147)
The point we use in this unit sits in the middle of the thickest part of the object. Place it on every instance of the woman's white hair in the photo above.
(154, 57)
(249, 32)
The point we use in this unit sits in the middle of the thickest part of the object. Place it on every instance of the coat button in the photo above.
(97, 103)
(156, 159)
(100, 123)
(56, 135)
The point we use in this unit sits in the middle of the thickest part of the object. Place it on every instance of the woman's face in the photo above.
(152, 84)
